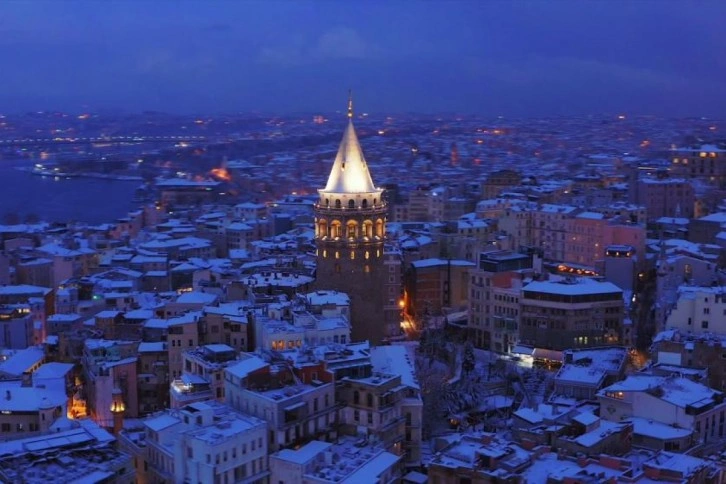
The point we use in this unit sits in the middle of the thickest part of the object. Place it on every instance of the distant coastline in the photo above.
(60, 174)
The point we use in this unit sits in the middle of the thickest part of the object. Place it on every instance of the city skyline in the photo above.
(514, 59)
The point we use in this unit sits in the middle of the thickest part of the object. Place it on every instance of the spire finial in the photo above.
(350, 104)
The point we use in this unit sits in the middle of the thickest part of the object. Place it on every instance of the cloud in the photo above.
(164, 62)
(334, 44)
(566, 70)
(341, 43)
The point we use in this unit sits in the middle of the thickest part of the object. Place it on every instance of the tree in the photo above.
(11, 218)
(468, 363)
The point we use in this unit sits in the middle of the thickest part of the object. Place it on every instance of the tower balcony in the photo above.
(377, 210)
(350, 242)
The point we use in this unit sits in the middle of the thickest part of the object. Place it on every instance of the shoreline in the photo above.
(101, 176)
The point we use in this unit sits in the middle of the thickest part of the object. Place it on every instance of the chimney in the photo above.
(27, 380)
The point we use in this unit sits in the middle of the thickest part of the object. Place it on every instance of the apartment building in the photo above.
(298, 404)
(566, 313)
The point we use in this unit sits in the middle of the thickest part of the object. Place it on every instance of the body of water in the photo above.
(62, 199)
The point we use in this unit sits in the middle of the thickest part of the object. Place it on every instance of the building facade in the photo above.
(571, 313)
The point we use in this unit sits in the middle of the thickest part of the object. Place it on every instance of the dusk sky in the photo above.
(480, 57)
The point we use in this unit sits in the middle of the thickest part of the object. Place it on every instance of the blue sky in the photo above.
(510, 58)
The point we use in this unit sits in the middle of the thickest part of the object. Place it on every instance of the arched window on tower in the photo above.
(327, 202)
(368, 229)
(323, 228)
(356, 397)
(352, 227)
(337, 203)
(369, 399)
(374, 202)
(336, 229)
(351, 203)
(364, 203)
(379, 228)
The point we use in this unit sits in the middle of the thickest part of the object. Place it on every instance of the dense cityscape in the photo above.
(351, 296)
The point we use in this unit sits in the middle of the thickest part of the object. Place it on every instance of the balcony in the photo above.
(191, 388)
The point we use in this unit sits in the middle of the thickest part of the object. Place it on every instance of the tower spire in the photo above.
(350, 104)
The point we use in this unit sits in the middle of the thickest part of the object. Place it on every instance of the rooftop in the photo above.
(397, 360)
(82, 454)
(573, 287)
(591, 366)
(677, 391)
(22, 361)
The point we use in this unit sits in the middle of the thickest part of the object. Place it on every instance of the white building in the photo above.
(298, 404)
(699, 310)
(206, 442)
(307, 328)
(203, 374)
(674, 401)
(343, 462)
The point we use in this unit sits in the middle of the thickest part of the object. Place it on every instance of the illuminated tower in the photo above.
(117, 410)
(350, 229)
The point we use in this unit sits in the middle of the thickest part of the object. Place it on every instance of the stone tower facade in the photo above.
(350, 230)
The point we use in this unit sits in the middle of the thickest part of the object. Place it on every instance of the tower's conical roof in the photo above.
(350, 171)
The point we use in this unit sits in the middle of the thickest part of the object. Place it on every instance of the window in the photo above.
(356, 397)
(356, 415)
(337, 204)
(369, 400)
(704, 324)
(370, 418)
(351, 204)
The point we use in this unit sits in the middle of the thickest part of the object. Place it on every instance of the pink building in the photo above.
(665, 197)
(588, 234)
